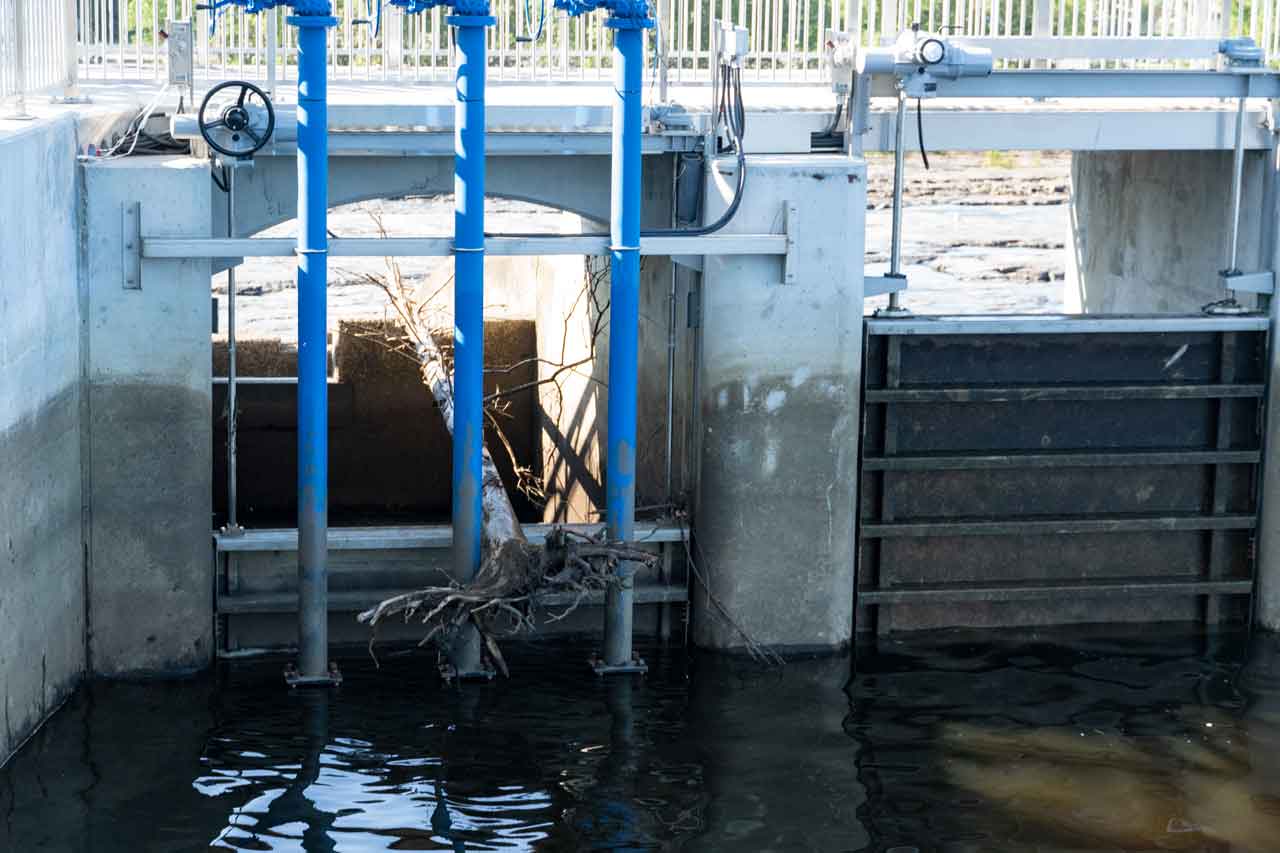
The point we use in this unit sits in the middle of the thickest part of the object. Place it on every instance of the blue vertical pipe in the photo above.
(624, 325)
(468, 308)
(313, 392)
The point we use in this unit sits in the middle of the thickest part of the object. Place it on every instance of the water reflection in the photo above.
(944, 742)
(1138, 744)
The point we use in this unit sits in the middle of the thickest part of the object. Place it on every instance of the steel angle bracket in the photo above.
(790, 225)
(131, 245)
(1248, 282)
(879, 285)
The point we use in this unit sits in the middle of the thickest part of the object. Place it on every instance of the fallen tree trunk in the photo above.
(500, 523)
(515, 575)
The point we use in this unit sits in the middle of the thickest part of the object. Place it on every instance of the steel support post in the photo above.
(624, 332)
(468, 332)
(899, 164)
(313, 391)
(233, 524)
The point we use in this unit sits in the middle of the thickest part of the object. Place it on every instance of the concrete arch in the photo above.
(266, 194)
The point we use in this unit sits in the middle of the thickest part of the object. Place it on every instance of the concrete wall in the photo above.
(573, 302)
(42, 582)
(1150, 229)
(149, 465)
(389, 451)
(779, 397)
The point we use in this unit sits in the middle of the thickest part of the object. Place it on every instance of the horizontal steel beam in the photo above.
(259, 380)
(432, 247)
(351, 601)
(426, 536)
(1131, 83)
(1095, 47)
(1056, 324)
(1062, 459)
(1039, 128)
(1035, 393)
(1055, 526)
(1060, 590)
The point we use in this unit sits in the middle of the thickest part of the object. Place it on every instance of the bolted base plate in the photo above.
(293, 678)
(231, 530)
(1226, 307)
(449, 674)
(599, 667)
(893, 313)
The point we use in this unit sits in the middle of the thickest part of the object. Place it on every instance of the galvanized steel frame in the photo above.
(889, 388)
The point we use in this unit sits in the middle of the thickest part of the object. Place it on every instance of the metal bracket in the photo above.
(790, 225)
(131, 245)
(879, 285)
(1249, 282)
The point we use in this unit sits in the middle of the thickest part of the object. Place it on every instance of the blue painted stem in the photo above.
(468, 319)
(468, 293)
(624, 296)
(313, 391)
(624, 329)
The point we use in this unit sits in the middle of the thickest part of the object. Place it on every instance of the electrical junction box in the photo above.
(733, 43)
(181, 53)
(839, 51)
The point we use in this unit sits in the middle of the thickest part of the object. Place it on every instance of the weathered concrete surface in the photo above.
(573, 304)
(572, 401)
(150, 427)
(1267, 604)
(1151, 229)
(389, 450)
(779, 395)
(42, 597)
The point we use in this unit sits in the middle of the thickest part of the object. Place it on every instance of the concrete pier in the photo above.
(148, 376)
(1150, 229)
(779, 396)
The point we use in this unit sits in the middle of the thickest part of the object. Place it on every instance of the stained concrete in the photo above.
(150, 425)
(42, 594)
(1150, 229)
(779, 398)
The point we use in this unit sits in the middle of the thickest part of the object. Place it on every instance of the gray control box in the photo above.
(181, 50)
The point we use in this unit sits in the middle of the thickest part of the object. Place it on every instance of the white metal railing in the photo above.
(37, 46)
(122, 39)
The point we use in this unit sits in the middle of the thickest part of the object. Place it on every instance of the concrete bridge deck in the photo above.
(371, 118)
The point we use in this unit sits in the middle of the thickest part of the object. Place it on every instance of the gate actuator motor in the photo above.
(918, 60)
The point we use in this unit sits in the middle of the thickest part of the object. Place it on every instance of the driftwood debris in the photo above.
(517, 581)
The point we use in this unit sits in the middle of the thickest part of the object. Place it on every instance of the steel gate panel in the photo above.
(1033, 470)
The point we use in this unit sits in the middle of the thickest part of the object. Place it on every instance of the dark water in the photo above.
(1010, 742)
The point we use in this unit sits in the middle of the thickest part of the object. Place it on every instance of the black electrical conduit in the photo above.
(731, 111)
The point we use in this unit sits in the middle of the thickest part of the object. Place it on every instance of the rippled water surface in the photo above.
(999, 742)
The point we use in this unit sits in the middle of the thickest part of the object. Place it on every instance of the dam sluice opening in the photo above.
(872, 466)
